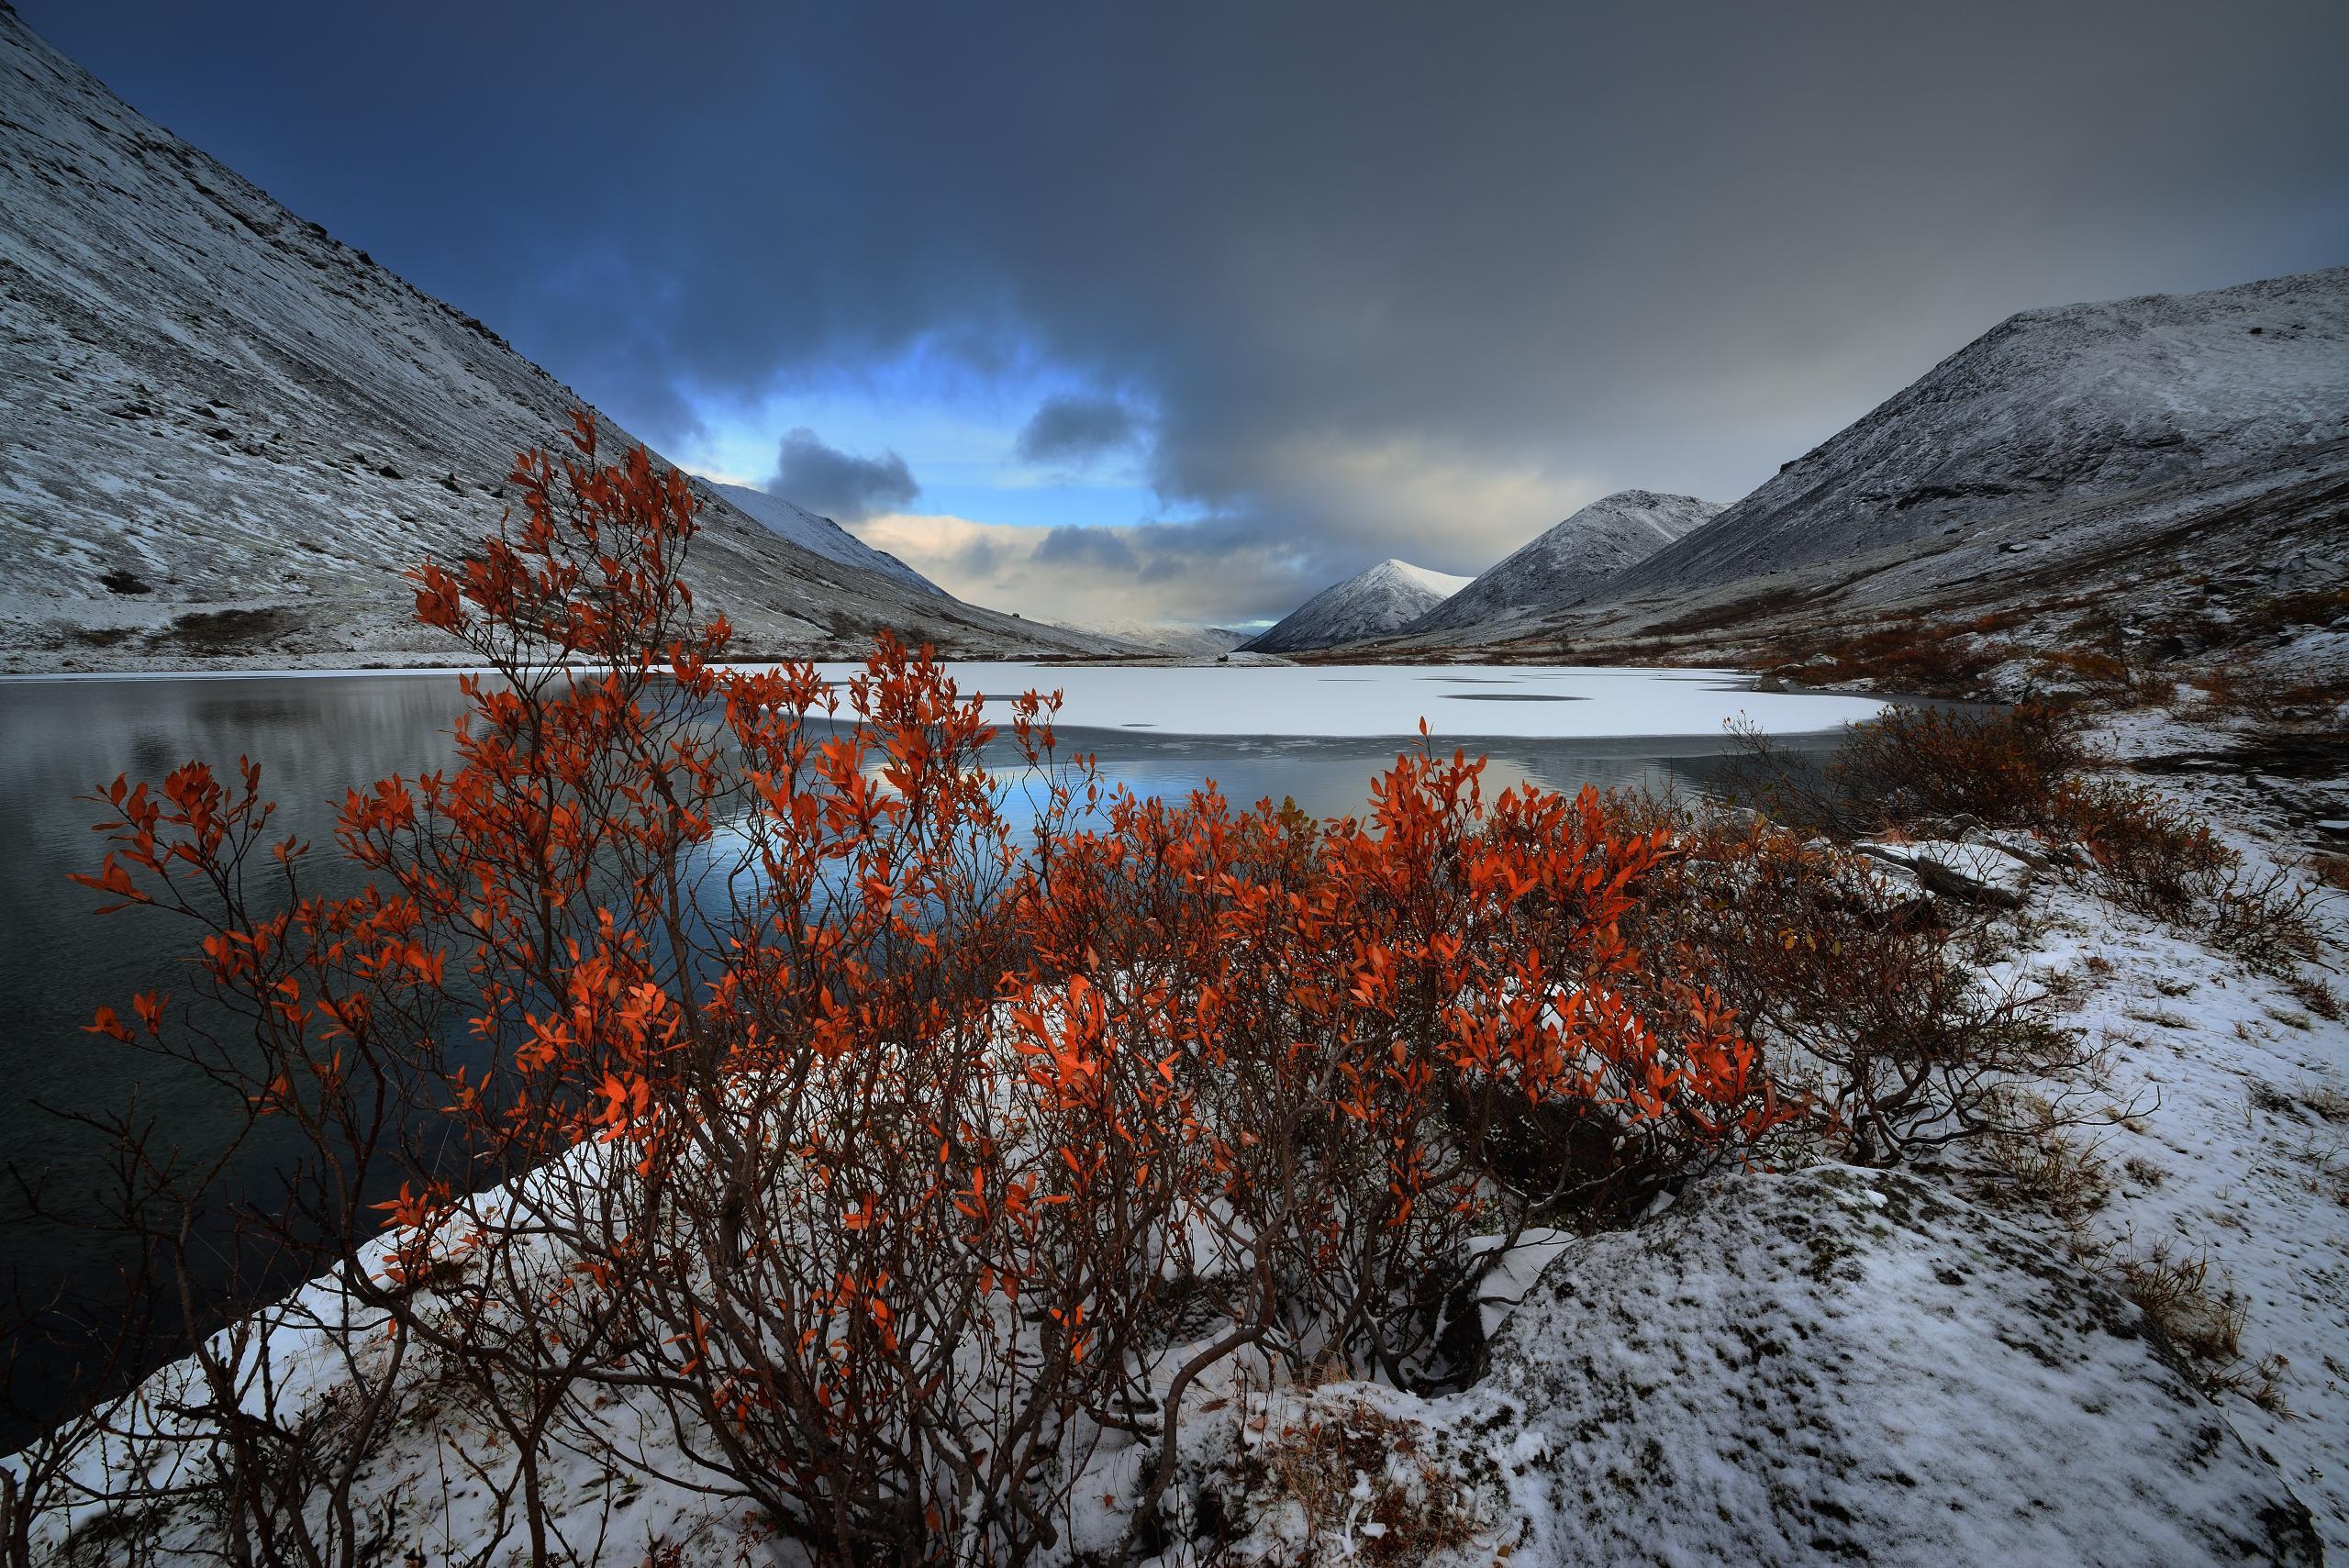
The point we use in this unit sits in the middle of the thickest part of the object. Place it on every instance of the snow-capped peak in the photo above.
(1572, 558)
(1385, 598)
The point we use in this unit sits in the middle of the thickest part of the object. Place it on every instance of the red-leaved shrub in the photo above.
(724, 1041)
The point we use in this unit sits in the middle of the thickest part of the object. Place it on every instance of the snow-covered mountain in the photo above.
(224, 434)
(1171, 641)
(1386, 599)
(2075, 402)
(825, 537)
(1572, 559)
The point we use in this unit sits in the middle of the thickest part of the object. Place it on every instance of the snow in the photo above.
(1457, 701)
(1987, 872)
(1385, 598)
(2239, 1157)
(1163, 639)
(1840, 1365)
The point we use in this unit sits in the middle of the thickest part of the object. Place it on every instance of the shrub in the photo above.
(1862, 997)
(887, 1145)
(2026, 767)
(1928, 658)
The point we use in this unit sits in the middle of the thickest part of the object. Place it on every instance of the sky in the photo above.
(1182, 312)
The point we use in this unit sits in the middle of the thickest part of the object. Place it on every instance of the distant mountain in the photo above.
(2061, 405)
(825, 537)
(1386, 599)
(1572, 559)
(1171, 641)
(224, 434)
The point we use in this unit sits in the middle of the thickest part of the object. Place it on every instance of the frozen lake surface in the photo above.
(1459, 702)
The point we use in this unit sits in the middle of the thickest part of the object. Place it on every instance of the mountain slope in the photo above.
(1170, 642)
(2077, 400)
(1385, 599)
(1572, 559)
(223, 434)
(821, 535)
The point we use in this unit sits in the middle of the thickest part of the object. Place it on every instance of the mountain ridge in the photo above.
(2064, 402)
(227, 434)
(1375, 602)
(1573, 558)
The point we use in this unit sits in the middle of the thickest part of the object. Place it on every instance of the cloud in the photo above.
(837, 484)
(1075, 428)
(1202, 572)
(1101, 548)
(1389, 278)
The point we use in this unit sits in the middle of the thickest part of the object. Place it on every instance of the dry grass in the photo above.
(1942, 659)
(2046, 1171)
(2200, 1317)
(1363, 1489)
(2186, 1303)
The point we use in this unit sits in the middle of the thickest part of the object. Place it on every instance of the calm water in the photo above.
(60, 739)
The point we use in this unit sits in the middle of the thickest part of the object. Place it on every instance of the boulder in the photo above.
(1847, 1365)
(1977, 872)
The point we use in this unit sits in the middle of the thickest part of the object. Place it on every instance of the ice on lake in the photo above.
(1373, 700)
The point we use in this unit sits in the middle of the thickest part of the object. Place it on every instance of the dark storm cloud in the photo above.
(1089, 547)
(1073, 428)
(1404, 279)
(837, 484)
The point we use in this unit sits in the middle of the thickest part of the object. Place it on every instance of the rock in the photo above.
(1846, 1365)
(2027, 848)
(1976, 872)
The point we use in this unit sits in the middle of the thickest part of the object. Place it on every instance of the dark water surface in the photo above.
(314, 736)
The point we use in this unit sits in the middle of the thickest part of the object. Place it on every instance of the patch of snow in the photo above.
(1985, 872)
(1840, 1365)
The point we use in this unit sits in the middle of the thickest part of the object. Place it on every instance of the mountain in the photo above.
(2060, 405)
(224, 434)
(1385, 599)
(1571, 559)
(1170, 642)
(821, 535)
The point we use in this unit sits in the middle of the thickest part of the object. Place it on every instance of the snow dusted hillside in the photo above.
(821, 535)
(1386, 599)
(1168, 641)
(1573, 557)
(224, 434)
(2078, 401)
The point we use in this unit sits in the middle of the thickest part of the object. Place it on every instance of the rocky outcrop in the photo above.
(1846, 1365)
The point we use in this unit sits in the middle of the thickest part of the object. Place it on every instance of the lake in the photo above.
(1315, 733)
